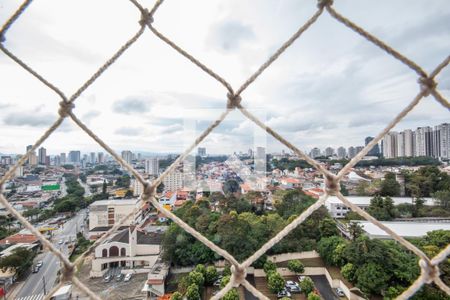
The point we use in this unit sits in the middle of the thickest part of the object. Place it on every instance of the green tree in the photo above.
(196, 278)
(372, 278)
(176, 296)
(307, 285)
(192, 292)
(224, 281)
(211, 275)
(269, 266)
(296, 266)
(201, 269)
(443, 198)
(313, 296)
(327, 227)
(20, 261)
(128, 194)
(348, 271)
(382, 208)
(275, 282)
(355, 230)
(231, 295)
(390, 186)
(326, 247)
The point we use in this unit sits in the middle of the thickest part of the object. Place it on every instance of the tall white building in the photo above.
(341, 153)
(390, 145)
(42, 156)
(92, 158)
(409, 141)
(100, 158)
(329, 151)
(315, 152)
(173, 181)
(63, 158)
(423, 137)
(400, 144)
(152, 166)
(127, 156)
(441, 141)
(201, 151)
(351, 152)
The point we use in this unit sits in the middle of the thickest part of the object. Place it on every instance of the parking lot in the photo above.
(114, 289)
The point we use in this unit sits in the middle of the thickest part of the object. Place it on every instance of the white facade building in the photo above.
(173, 181)
(152, 166)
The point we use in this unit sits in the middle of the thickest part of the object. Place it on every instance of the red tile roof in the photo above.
(19, 238)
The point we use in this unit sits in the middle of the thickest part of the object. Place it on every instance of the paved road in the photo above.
(87, 191)
(325, 290)
(34, 284)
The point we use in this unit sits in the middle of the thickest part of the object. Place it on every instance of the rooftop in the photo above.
(115, 202)
(404, 229)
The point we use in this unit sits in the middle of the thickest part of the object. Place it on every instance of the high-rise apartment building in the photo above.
(100, 158)
(315, 152)
(400, 145)
(29, 147)
(92, 158)
(201, 151)
(63, 158)
(152, 166)
(75, 157)
(351, 152)
(329, 151)
(390, 145)
(409, 142)
(375, 151)
(341, 152)
(441, 141)
(423, 137)
(127, 156)
(173, 181)
(42, 158)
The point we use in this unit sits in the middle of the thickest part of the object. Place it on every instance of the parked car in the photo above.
(107, 278)
(217, 282)
(119, 277)
(301, 278)
(283, 293)
(340, 292)
(39, 263)
(127, 277)
(60, 242)
(35, 269)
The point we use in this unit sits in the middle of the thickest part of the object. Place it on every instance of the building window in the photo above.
(104, 253)
(123, 252)
(114, 251)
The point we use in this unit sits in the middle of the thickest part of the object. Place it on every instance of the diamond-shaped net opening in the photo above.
(428, 86)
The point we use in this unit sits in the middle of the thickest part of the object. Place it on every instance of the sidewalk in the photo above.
(14, 289)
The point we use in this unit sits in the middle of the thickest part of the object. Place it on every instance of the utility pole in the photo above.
(43, 280)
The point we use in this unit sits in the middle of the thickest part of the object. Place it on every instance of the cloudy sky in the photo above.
(331, 88)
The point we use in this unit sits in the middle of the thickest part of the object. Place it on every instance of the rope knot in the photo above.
(146, 18)
(233, 101)
(67, 274)
(149, 191)
(429, 271)
(65, 108)
(427, 84)
(332, 185)
(238, 275)
(322, 3)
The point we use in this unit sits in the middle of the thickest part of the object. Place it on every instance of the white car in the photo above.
(340, 292)
(127, 277)
(283, 293)
(60, 242)
(39, 264)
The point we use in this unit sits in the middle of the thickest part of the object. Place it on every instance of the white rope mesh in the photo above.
(429, 267)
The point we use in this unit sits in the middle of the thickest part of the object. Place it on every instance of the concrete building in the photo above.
(409, 141)
(315, 152)
(138, 187)
(92, 158)
(100, 158)
(339, 210)
(42, 156)
(131, 248)
(400, 145)
(404, 229)
(341, 152)
(63, 158)
(351, 152)
(390, 145)
(104, 214)
(441, 141)
(127, 156)
(201, 151)
(173, 181)
(423, 137)
(375, 151)
(75, 157)
(152, 166)
(329, 151)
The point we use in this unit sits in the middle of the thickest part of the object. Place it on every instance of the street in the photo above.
(34, 284)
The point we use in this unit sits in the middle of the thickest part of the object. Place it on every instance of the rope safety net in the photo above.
(428, 87)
